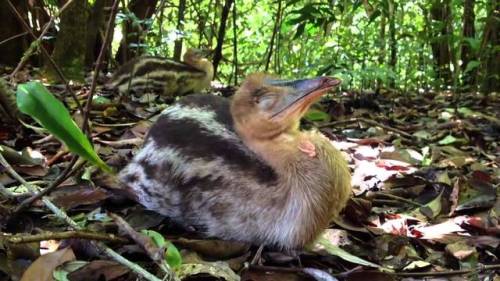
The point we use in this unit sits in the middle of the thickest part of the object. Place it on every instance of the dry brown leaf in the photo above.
(41, 269)
(99, 270)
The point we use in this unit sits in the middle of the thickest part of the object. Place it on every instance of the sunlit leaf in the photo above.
(36, 101)
(173, 256)
(472, 65)
(317, 116)
(341, 253)
(449, 139)
(157, 238)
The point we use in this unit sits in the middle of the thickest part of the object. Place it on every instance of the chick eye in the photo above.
(266, 102)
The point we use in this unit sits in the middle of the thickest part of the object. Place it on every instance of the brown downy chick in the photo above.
(242, 170)
(165, 76)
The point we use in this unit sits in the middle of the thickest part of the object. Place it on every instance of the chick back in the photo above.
(157, 74)
(195, 169)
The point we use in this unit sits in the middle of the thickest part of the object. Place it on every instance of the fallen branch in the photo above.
(31, 188)
(62, 215)
(479, 268)
(108, 251)
(16, 239)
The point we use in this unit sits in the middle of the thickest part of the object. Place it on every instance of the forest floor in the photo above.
(425, 172)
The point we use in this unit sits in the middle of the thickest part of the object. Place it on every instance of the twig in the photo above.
(235, 45)
(62, 215)
(100, 58)
(479, 268)
(153, 251)
(65, 235)
(301, 270)
(273, 36)
(112, 254)
(122, 143)
(16, 176)
(39, 39)
(45, 53)
(7, 194)
(62, 177)
(13, 37)
(369, 122)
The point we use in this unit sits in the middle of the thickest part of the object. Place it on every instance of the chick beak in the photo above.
(302, 94)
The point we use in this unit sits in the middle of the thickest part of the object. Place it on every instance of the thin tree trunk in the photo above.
(469, 31)
(94, 26)
(275, 30)
(381, 39)
(13, 38)
(133, 34)
(392, 40)
(180, 28)
(277, 56)
(71, 43)
(213, 26)
(221, 34)
(235, 45)
(489, 46)
(441, 12)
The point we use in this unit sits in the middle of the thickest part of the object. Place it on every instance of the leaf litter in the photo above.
(424, 203)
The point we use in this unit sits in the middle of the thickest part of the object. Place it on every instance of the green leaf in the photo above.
(472, 65)
(36, 101)
(341, 253)
(173, 256)
(156, 237)
(449, 139)
(315, 115)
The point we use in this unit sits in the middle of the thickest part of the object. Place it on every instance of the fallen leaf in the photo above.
(42, 268)
(214, 269)
(99, 270)
(460, 250)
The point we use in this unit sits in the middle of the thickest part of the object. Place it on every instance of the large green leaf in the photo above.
(36, 101)
(343, 254)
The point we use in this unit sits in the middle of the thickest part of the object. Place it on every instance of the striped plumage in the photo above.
(168, 77)
(199, 169)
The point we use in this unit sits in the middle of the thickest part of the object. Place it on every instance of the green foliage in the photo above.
(36, 101)
(349, 39)
(172, 255)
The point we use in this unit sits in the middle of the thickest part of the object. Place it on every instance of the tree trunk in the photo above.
(392, 40)
(95, 25)
(273, 36)
(12, 41)
(489, 49)
(71, 42)
(221, 34)
(440, 41)
(133, 34)
(469, 31)
(180, 27)
(235, 45)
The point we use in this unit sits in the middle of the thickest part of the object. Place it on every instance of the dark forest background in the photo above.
(407, 45)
